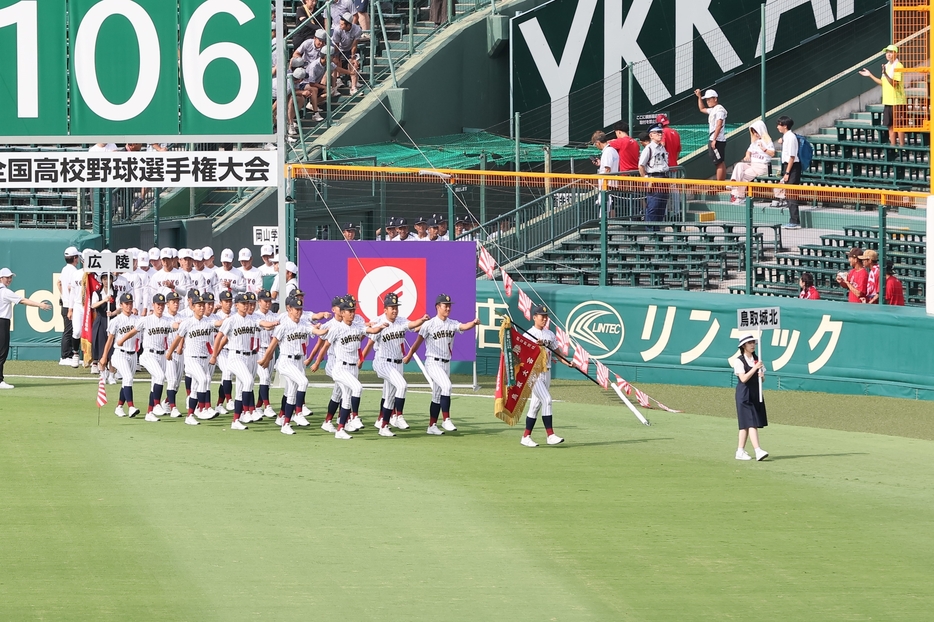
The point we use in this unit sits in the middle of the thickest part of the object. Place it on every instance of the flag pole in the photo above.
(616, 388)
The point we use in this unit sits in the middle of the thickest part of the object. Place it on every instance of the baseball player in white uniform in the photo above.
(291, 336)
(228, 278)
(438, 335)
(239, 334)
(153, 330)
(195, 334)
(345, 338)
(267, 269)
(251, 278)
(335, 401)
(266, 320)
(142, 294)
(541, 393)
(173, 370)
(225, 388)
(124, 355)
(389, 346)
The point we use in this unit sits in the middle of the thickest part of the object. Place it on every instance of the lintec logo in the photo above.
(598, 327)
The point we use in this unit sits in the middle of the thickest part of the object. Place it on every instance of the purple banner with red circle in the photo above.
(417, 272)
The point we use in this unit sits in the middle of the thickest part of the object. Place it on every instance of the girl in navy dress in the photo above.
(750, 411)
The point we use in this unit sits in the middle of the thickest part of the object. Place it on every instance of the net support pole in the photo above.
(604, 243)
(748, 244)
(518, 153)
(883, 236)
(483, 194)
(629, 95)
(281, 98)
(929, 274)
(156, 205)
(762, 62)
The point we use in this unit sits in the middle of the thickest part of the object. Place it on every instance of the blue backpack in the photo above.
(805, 152)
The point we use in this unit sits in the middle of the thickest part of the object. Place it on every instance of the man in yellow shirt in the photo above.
(893, 91)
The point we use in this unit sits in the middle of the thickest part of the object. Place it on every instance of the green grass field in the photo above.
(129, 520)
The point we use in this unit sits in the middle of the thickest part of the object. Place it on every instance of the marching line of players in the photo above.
(238, 333)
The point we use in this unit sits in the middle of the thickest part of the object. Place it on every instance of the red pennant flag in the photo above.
(101, 393)
(581, 359)
(486, 262)
(643, 398)
(507, 283)
(562, 341)
(603, 375)
(624, 386)
(525, 305)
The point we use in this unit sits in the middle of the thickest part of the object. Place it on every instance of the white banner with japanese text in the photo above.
(139, 169)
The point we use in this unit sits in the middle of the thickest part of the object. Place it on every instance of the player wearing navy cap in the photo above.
(225, 388)
(173, 370)
(387, 363)
(345, 338)
(194, 336)
(334, 402)
(265, 319)
(153, 330)
(124, 355)
(239, 334)
(541, 393)
(438, 335)
(291, 336)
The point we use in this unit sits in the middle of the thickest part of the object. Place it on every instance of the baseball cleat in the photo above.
(394, 421)
(280, 420)
(342, 435)
(190, 420)
(448, 425)
(220, 409)
(132, 412)
(554, 439)
(301, 421)
(327, 426)
(151, 418)
(400, 423)
(269, 413)
(434, 431)
(287, 429)
(158, 410)
(236, 425)
(385, 431)
(119, 411)
(528, 442)
(175, 412)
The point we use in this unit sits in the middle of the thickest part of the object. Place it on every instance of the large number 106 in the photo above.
(24, 15)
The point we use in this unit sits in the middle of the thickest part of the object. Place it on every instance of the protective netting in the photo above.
(465, 151)
(911, 25)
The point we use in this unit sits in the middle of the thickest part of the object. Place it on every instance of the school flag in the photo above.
(527, 359)
(91, 284)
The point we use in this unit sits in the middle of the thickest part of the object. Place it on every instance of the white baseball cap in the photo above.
(165, 253)
(711, 93)
(185, 253)
(227, 255)
(4, 272)
(244, 255)
(71, 251)
(154, 253)
(174, 253)
(266, 250)
(143, 259)
(207, 251)
(291, 267)
(347, 17)
(197, 255)
(121, 251)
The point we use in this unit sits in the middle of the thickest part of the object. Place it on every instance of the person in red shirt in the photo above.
(671, 139)
(857, 279)
(808, 291)
(894, 293)
(870, 260)
(627, 147)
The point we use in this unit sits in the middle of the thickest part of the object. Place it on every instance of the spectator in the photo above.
(654, 163)
(626, 146)
(716, 123)
(808, 291)
(894, 292)
(303, 13)
(757, 160)
(855, 281)
(893, 91)
(791, 168)
(438, 11)
(671, 139)
(8, 298)
(870, 260)
(318, 75)
(345, 37)
(337, 9)
(609, 157)
(311, 49)
(362, 16)
(504, 226)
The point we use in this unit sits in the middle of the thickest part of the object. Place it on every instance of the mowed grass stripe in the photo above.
(620, 522)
